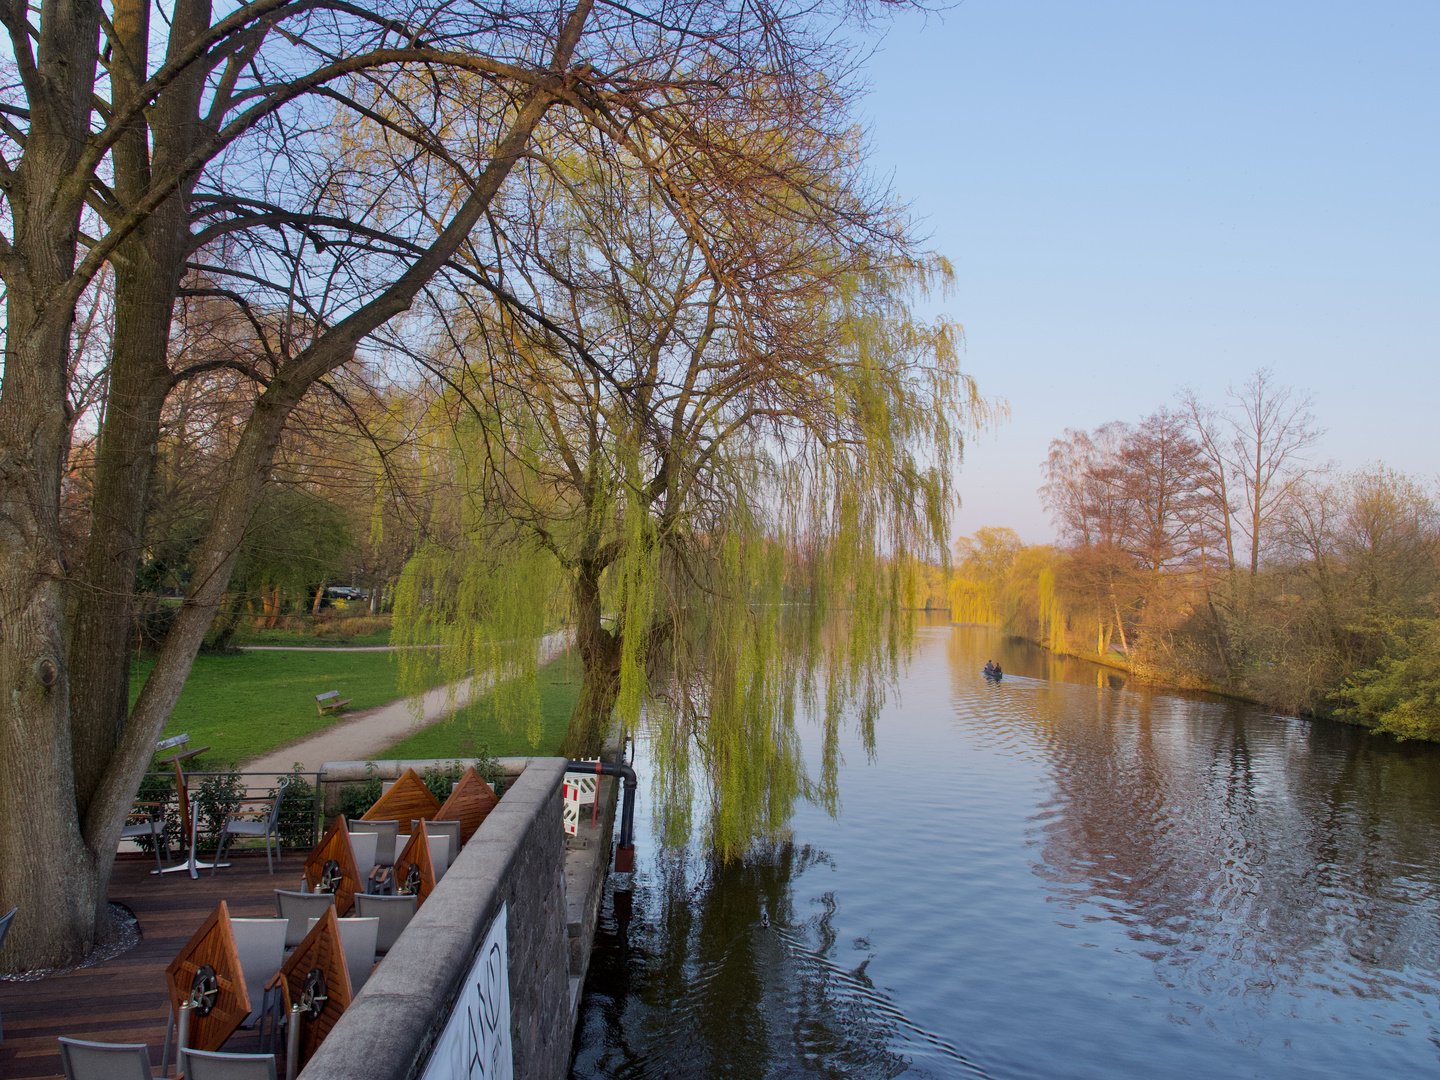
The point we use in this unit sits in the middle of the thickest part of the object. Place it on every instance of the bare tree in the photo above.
(1271, 429)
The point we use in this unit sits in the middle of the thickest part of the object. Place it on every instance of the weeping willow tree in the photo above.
(695, 419)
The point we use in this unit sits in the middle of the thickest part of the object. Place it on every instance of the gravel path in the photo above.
(370, 732)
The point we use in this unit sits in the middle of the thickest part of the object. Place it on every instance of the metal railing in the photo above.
(215, 795)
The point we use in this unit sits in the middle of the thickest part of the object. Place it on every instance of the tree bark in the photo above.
(47, 867)
(600, 673)
(148, 264)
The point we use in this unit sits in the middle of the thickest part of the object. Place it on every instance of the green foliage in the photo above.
(488, 614)
(722, 465)
(355, 799)
(476, 730)
(297, 810)
(441, 778)
(159, 787)
(214, 799)
(1401, 694)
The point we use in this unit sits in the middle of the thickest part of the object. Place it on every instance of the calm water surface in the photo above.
(1055, 876)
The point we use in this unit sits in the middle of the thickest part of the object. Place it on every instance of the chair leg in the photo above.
(219, 851)
(157, 839)
(268, 865)
(165, 1055)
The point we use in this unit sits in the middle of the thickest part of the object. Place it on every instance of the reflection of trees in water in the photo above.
(697, 986)
(1245, 854)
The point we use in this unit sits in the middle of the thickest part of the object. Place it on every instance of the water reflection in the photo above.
(1062, 874)
(1245, 855)
(719, 974)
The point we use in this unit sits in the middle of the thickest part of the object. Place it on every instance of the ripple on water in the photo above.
(1050, 877)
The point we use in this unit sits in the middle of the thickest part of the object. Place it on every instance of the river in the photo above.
(1059, 875)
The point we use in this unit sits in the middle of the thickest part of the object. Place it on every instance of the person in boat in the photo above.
(997, 672)
(990, 667)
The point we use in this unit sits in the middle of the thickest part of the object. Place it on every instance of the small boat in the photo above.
(992, 673)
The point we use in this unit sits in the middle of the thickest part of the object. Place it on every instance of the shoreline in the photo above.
(1119, 662)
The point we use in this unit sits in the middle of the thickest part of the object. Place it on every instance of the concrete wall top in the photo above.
(516, 857)
(392, 768)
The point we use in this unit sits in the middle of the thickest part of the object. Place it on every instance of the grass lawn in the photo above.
(295, 637)
(476, 726)
(245, 705)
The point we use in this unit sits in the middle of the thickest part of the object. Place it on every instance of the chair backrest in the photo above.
(439, 852)
(385, 847)
(452, 830)
(358, 937)
(105, 1061)
(299, 908)
(363, 844)
(394, 913)
(213, 1065)
(260, 944)
(274, 819)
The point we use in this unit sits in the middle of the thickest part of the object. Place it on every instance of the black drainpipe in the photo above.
(625, 850)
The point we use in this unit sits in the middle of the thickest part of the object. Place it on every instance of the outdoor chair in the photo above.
(394, 913)
(363, 845)
(105, 1061)
(260, 944)
(386, 832)
(213, 1065)
(5, 929)
(298, 909)
(439, 852)
(358, 936)
(152, 826)
(244, 824)
(452, 830)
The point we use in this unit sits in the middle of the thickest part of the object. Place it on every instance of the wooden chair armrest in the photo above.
(148, 802)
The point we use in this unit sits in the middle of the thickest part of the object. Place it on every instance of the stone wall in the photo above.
(516, 858)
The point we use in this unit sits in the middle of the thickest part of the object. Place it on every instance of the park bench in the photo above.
(330, 702)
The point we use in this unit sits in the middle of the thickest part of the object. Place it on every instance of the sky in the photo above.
(1139, 197)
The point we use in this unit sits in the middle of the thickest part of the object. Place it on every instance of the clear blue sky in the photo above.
(1140, 196)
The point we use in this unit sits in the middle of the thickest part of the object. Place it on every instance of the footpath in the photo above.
(367, 734)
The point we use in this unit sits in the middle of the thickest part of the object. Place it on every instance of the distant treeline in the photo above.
(1207, 548)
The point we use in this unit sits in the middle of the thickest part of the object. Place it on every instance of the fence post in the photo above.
(319, 809)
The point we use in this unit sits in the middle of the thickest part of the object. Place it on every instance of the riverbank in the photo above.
(1189, 682)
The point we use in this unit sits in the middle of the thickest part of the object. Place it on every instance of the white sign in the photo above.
(475, 1044)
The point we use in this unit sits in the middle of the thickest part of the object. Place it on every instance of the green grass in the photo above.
(295, 637)
(245, 705)
(476, 726)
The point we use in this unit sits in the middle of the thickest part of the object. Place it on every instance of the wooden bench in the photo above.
(330, 702)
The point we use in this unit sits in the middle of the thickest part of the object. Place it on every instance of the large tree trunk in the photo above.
(148, 267)
(600, 679)
(125, 457)
(45, 868)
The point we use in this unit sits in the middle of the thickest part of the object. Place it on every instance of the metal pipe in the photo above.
(182, 1036)
(625, 850)
(292, 1043)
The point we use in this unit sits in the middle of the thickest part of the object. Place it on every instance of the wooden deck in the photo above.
(123, 1000)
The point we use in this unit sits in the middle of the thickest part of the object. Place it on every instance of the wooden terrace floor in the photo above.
(123, 1000)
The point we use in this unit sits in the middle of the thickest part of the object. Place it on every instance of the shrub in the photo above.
(297, 810)
(160, 788)
(440, 779)
(217, 797)
(355, 799)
